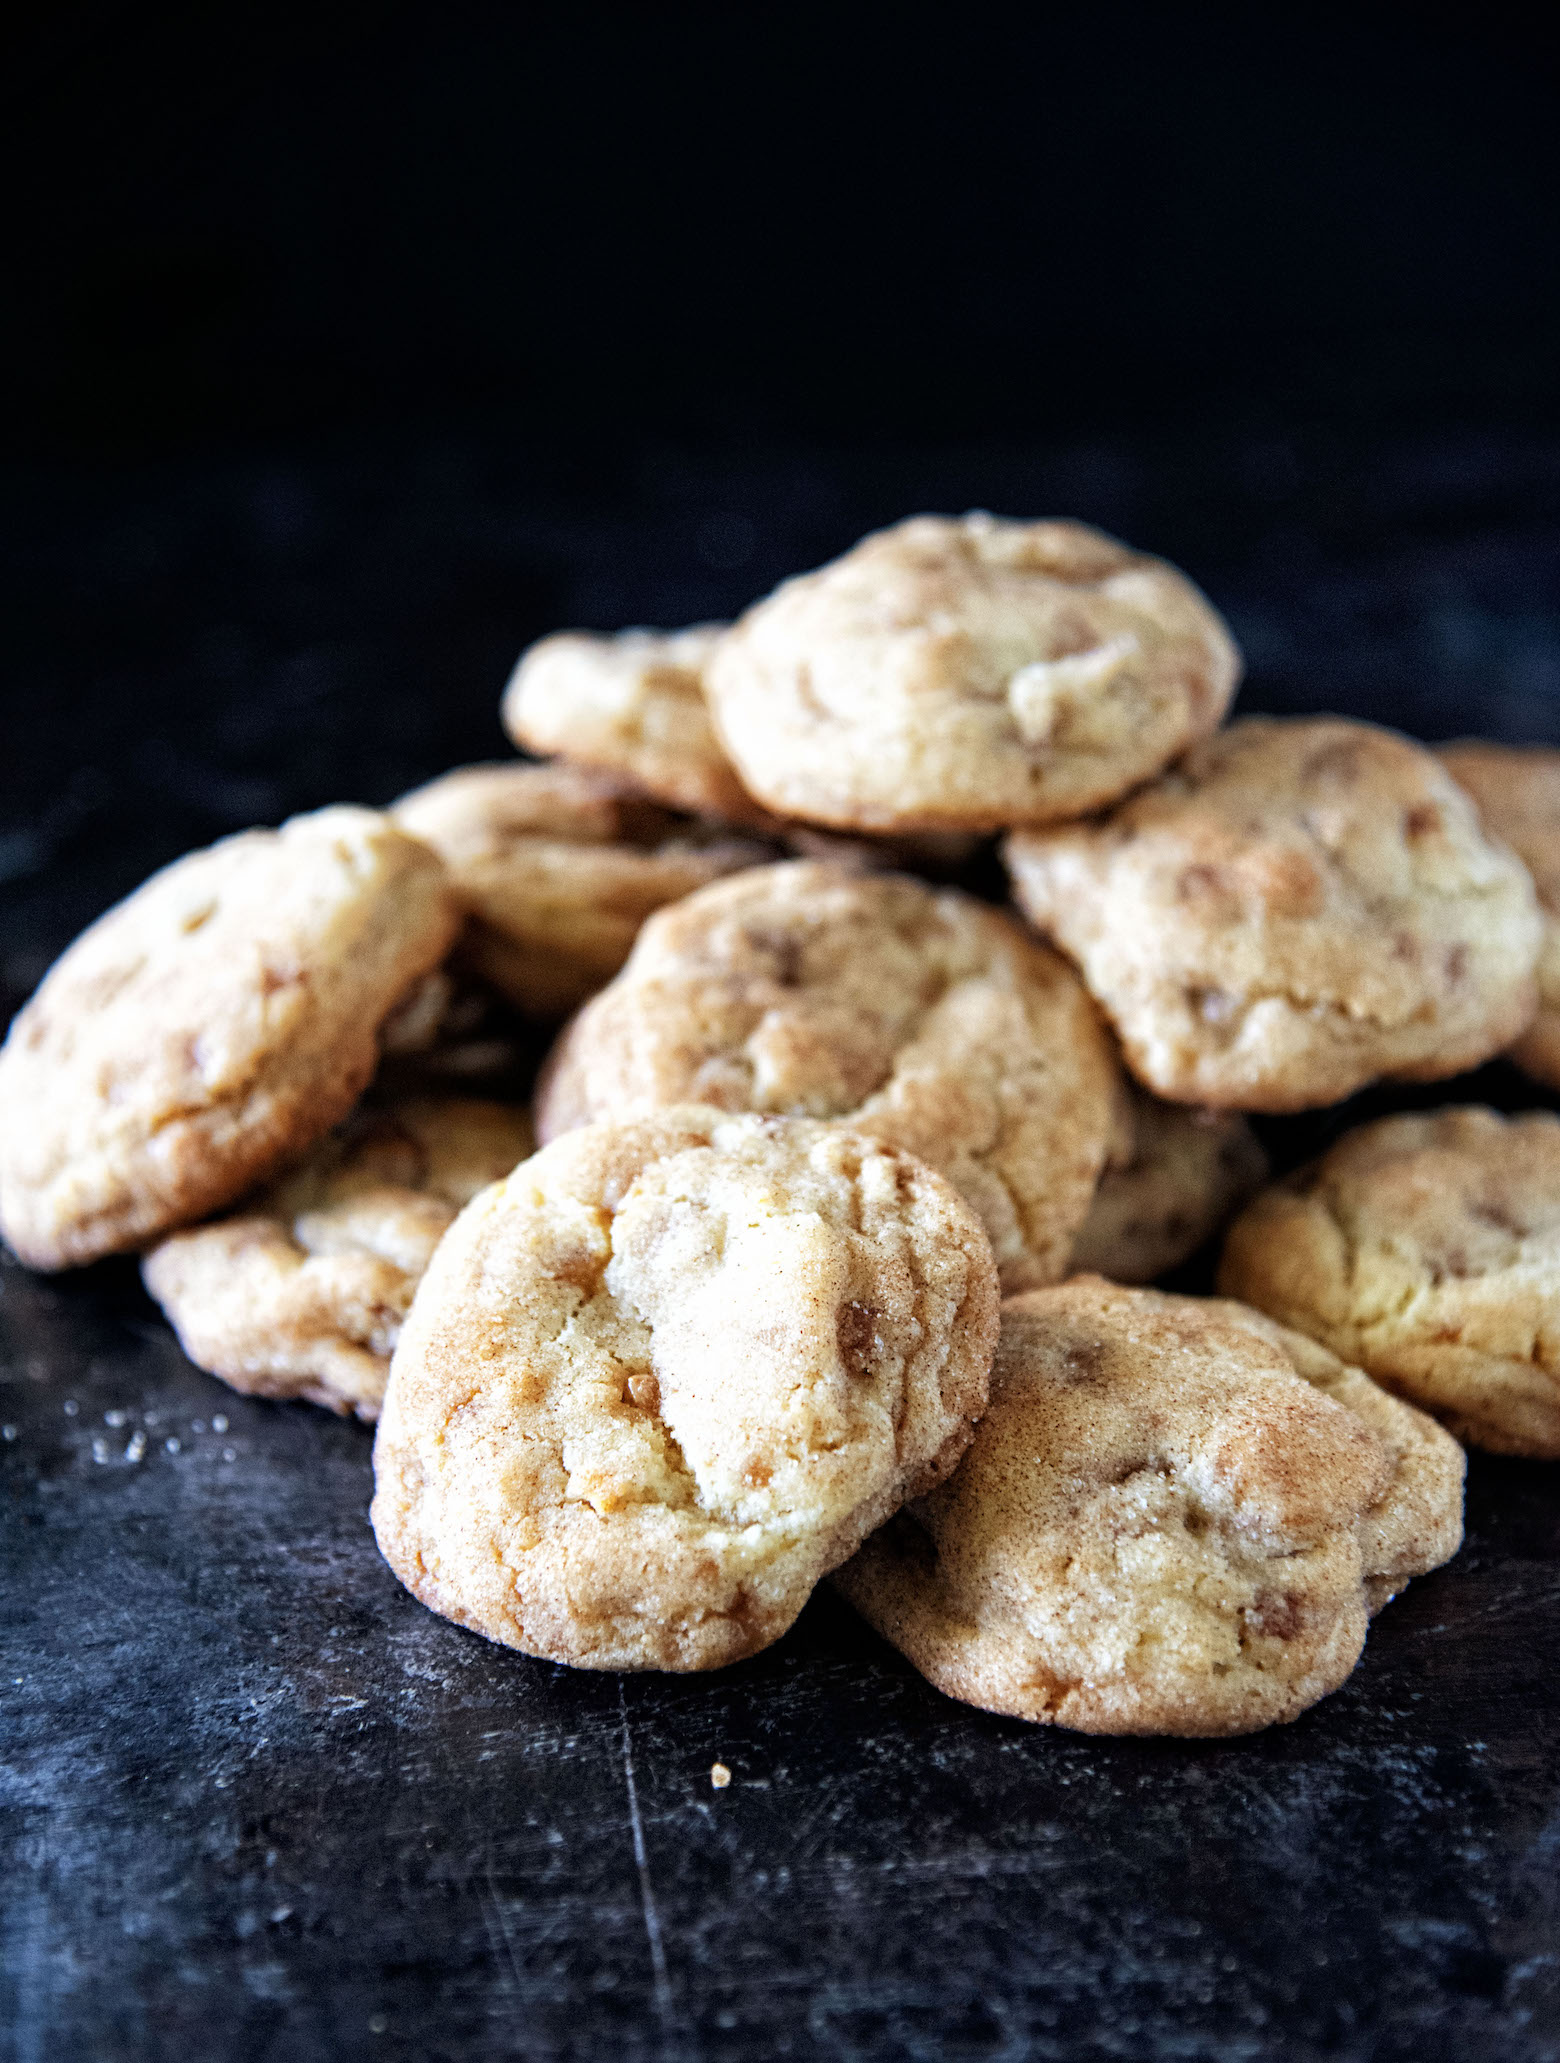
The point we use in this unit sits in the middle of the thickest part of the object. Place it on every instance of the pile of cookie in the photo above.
(837, 1251)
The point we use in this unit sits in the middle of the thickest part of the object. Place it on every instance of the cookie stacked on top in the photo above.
(835, 1253)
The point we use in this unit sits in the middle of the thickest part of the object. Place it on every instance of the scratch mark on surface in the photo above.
(663, 1987)
(497, 1922)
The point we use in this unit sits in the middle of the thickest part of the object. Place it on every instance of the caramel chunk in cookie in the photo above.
(558, 868)
(968, 674)
(1299, 908)
(209, 1029)
(1426, 1249)
(302, 1294)
(921, 1017)
(665, 1376)
(1517, 789)
(1163, 1523)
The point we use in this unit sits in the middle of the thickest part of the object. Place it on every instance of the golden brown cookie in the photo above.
(1517, 789)
(209, 1029)
(1304, 905)
(1174, 1175)
(667, 1375)
(558, 869)
(1159, 1527)
(922, 1017)
(968, 674)
(1426, 1249)
(302, 1294)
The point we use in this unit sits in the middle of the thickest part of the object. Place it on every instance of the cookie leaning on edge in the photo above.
(665, 1376)
(210, 1028)
(302, 1293)
(1172, 1519)
(1302, 906)
(1426, 1248)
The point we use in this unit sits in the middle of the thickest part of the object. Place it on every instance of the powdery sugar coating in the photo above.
(1299, 908)
(209, 1029)
(920, 1017)
(969, 674)
(1427, 1250)
(303, 1293)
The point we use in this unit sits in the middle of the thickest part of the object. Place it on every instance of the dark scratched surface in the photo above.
(257, 1804)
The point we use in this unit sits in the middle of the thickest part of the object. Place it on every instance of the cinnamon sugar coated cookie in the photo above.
(1517, 789)
(302, 1293)
(669, 1373)
(1160, 1526)
(921, 1017)
(969, 674)
(1302, 906)
(557, 869)
(1427, 1250)
(209, 1029)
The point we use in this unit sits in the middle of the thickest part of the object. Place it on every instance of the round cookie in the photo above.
(558, 869)
(669, 1373)
(968, 674)
(303, 1293)
(1426, 1249)
(1172, 1179)
(1302, 906)
(1517, 789)
(208, 1029)
(921, 1017)
(1159, 1527)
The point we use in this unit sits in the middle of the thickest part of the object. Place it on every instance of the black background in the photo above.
(345, 350)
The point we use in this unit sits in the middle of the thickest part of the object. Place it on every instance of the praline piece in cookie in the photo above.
(665, 1376)
(558, 868)
(1301, 907)
(209, 1029)
(302, 1294)
(968, 674)
(922, 1017)
(1426, 1249)
(1174, 1176)
(1517, 789)
(1159, 1527)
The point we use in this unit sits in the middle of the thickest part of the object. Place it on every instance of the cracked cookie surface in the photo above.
(210, 1028)
(1160, 1527)
(969, 674)
(665, 1376)
(303, 1292)
(921, 1017)
(1425, 1249)
(1301, 907)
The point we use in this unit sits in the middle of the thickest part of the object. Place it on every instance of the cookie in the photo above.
(1159, 1528)
(209, 1029)
(669, 1373)
(1426, 1249)
(1173, 1177)
(1301, 907)
(968, 674)
(302, 1294)
(922, 1017)
(1517, 789)
(558, 869)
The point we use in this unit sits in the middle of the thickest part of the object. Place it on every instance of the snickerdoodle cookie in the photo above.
(969, 674)
(302, 1293)
(209, 1029)
(1298, 908)
(669, 1373)
(1517, 788)
(1159, 1527)
(558, 868)
(922, 1017)
(1174, 1175)
(1426, 1248)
